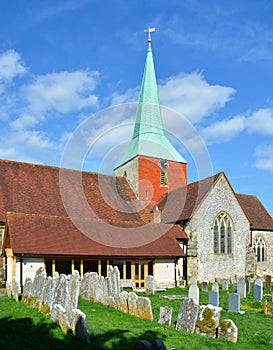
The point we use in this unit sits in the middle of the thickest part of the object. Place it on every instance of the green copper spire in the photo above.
(149, 138)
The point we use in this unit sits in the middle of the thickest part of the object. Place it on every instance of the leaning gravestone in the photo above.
(187, 315)
(194, 291)
(228, 330)
(149, 285)
(241, 288)
(213, 298)
(165, 315)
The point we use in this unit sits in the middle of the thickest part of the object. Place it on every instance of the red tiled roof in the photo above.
(36, 189)
(256, 213)
(181, 203)
(57, 236)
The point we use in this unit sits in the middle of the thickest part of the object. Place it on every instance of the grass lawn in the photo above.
(25, 328)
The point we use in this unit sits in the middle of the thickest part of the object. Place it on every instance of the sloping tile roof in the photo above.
(36, 189)
(181, 203)
(256, 213)
(57, 236)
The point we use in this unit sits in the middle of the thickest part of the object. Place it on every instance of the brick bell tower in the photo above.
(150, 163)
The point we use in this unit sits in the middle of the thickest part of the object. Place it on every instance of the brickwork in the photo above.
(143, 175)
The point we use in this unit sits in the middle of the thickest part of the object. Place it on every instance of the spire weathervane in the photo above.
(149, 30)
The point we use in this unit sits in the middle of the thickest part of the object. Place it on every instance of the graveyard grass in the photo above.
(25, 328)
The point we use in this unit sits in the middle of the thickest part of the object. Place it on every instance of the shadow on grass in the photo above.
(23, 334)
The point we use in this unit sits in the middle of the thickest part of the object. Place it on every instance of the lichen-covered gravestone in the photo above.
(132, 304)
(208, 320)
(187, 315)
(144, 308)
(228, 330)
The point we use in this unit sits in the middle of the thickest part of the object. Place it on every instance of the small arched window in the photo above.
(259, 248)
(223, 234)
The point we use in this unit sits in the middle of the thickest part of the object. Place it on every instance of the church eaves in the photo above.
(149, 138)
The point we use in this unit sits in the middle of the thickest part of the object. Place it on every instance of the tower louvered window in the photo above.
(222, 234)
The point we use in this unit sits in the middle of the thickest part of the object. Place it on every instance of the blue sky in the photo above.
(74, 68)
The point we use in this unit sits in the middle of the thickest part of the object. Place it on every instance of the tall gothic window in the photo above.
(259, 248)
(222, 234)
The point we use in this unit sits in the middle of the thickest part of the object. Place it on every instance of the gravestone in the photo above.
(241, 288)
(123, 302)
(165, 315)
(257, 292)
(228, 330)
(225, 284)
(208, 321)
(235, 286)
(144, 308)
(194, 291)
(215, 287)
(247, 286)
(268, 282)
(234, 303)
(132, 304)
(149, 285)
(81, 328)
(213, 298)
(15, 288)
(187, 315)
(9, 289)
(205, 286)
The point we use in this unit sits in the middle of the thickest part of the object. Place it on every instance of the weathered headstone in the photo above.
(241, 288)
(15, 289)
(132, 304)
(205, 286)
(165, 315)
(194, 291)
(123, 302)
(234, 303)
(235, 286)
(213, 298)
(225, 284)
(268, 281)
(228, 330)
(144, 308)
(215, 287)
(248, 284)
(208, 320)
(187, 315)
(81, 328)
(9, 289)
(149, 285)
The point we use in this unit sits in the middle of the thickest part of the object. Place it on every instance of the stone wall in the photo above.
(2, 260)
(266, 267)
(205, 265)
(131, 169)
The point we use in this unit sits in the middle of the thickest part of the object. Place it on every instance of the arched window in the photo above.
(259, 248)
(222, 234)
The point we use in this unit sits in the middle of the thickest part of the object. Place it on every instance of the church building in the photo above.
(148, 221)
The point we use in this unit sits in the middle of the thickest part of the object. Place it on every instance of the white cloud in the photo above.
(11, 66)
(191, 96)
(224, 130)
(61, 92)
(261, 121)
(264, 157)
